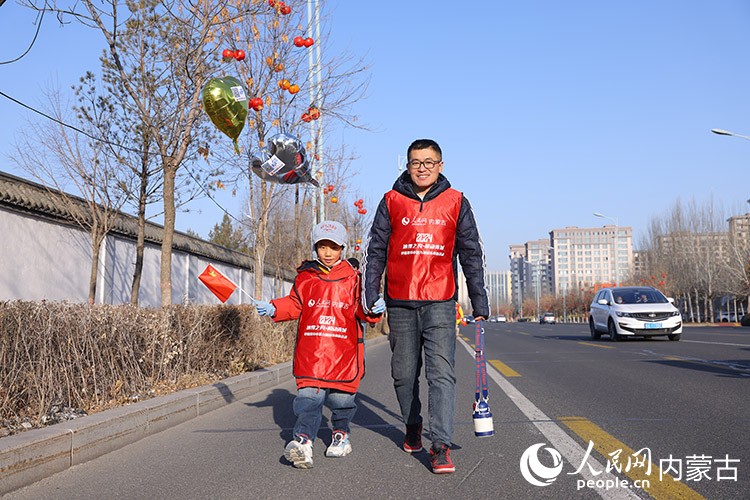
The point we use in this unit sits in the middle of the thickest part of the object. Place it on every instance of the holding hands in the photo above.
(379, 306)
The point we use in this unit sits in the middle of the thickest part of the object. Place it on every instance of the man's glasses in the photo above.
(428, 164)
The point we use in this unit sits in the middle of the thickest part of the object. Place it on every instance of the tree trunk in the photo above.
(96, 244)
(139, 246)
(168, 234)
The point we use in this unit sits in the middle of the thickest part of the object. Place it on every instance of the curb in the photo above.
(33, 455)
(30, 456)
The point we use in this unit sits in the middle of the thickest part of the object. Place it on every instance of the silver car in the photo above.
(634, 311)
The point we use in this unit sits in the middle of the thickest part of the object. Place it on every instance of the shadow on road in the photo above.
(280, 400)
(732, 370)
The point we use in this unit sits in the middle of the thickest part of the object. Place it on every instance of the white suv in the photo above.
(634, 311)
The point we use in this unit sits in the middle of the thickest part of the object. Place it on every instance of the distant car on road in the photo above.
(634, 311)
(469, 319)
(726, 317)
(501, 318)
(548, 318)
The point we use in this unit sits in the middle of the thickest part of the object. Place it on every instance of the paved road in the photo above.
(684, 398)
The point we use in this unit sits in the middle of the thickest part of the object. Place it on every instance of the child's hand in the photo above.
(264, 308)
(379, 306)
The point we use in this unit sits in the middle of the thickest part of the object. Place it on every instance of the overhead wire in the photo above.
(127, 148)
(40, 17)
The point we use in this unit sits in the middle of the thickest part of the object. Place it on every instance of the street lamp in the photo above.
(597, 214)
(726, 132)
(720, 131)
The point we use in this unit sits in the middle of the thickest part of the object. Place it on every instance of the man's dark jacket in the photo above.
(469, 250)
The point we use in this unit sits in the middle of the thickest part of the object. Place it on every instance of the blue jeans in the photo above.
(308, 407)
(431, 328)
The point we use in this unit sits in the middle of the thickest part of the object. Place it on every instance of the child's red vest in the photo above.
(329, 337)
(421, 246)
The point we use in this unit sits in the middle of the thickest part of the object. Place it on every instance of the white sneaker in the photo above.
(340, 447)
(299, 453)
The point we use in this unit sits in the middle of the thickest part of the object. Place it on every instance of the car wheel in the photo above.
(594, 334)
(674, 336)
(612, 330)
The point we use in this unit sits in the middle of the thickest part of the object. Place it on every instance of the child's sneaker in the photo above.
(440, 458)
(340, 447)
(299, 452)
(413, 438)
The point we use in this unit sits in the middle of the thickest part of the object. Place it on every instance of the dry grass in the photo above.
(60, 360)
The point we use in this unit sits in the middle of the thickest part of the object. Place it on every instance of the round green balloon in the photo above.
(225, 102)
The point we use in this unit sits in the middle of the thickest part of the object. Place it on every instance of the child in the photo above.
(329, 352)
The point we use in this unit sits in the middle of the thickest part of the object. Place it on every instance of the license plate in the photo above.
(653, 325)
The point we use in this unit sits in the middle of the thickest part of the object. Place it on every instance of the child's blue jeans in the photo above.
(308, 407)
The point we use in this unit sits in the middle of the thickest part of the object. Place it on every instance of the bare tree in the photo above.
(689, 248)
(167, 91)
(62, 159)
(273, 58)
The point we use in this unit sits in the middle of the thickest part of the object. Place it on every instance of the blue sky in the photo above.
(546, 111)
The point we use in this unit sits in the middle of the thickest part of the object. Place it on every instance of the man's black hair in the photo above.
(425, 144)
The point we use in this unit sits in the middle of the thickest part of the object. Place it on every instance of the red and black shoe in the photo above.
(413, 438)
(440, 458)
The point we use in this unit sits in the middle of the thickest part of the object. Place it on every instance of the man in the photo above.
(420, 229)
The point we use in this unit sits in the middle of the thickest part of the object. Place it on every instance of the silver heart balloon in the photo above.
(282, 161)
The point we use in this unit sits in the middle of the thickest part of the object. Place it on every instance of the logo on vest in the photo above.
(405, 221)
(310, 302)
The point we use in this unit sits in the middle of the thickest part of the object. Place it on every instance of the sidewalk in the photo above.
(30, 456)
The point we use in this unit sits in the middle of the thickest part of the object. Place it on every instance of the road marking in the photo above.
(557, 437)
(715, 343)
(598, 345)
(721, 364)
(607, 445)
(504, 369)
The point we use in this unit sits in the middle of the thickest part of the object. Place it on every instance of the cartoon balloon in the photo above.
(225, 102)
(282, 161)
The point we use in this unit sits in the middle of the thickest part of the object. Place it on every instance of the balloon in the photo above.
(225, 102)
(282, 161)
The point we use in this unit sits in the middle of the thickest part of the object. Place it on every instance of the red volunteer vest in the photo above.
(420, 250)
(327, 337)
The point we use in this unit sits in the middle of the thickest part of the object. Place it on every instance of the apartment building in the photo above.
(583, 257)
(572, 258)
(531, 270)
(499, 286)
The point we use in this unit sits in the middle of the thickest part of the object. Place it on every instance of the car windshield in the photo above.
(639, 296)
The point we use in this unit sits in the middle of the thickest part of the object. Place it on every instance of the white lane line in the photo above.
(715, 343)
(557, 437)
